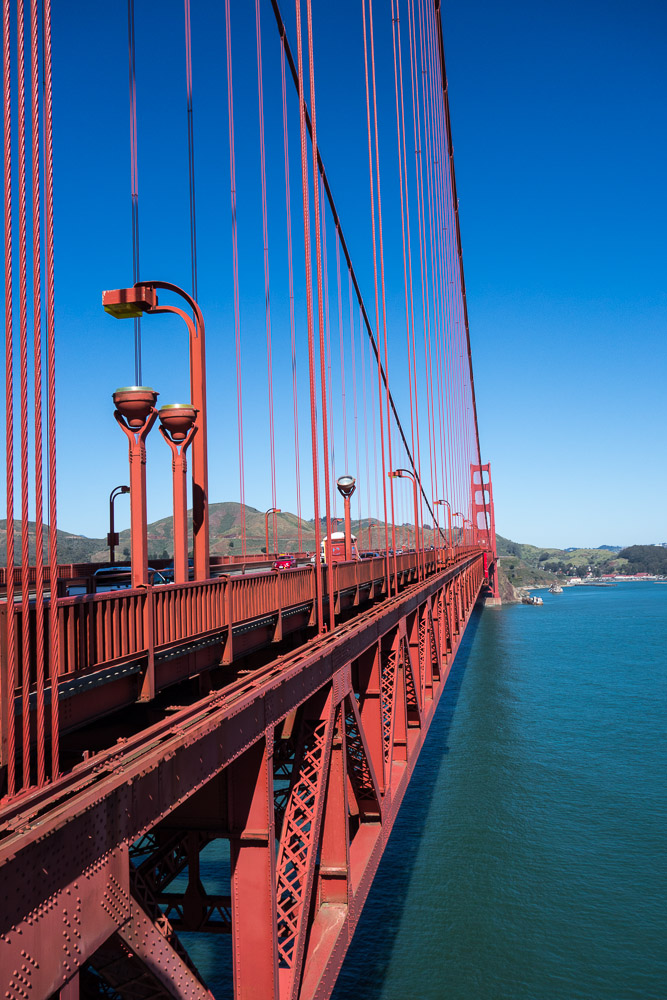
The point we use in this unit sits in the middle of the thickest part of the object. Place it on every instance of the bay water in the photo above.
(528, 861)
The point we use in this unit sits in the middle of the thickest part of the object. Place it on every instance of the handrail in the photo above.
(110, 628)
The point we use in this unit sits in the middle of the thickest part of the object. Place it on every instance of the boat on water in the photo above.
(531, 600)
(555, 588)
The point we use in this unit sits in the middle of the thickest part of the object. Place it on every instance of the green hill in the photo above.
(225, 534)
(530, 565)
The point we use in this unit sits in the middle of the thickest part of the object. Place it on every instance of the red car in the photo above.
(284, 562)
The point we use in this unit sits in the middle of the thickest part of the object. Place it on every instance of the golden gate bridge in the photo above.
(275, 712)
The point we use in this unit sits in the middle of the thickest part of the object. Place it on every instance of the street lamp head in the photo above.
(134, 403)
(346, 485)
(129, 303)
(125, 489)
(177, 419)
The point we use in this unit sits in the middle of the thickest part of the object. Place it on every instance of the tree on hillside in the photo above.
(645, 559)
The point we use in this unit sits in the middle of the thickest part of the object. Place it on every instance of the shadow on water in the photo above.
(364, 968)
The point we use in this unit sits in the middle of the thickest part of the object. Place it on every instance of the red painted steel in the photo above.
(179, 437)
(135, 417)
(295, 764)
(142, 298)
(354, 707)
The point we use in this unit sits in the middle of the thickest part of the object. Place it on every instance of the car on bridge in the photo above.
(284, 562)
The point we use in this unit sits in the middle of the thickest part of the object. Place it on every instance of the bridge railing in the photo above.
(134, 626)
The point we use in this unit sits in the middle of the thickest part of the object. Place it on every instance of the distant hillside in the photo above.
(225, 534)
(529, 565)
(524, 565)
(646, 559)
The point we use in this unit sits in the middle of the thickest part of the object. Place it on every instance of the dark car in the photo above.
(120, 578)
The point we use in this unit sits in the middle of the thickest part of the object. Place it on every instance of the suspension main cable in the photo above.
(455, 205)
(320, 165)
(134, 181)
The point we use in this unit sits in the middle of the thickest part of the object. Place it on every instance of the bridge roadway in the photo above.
(120, 647)
(301, 764)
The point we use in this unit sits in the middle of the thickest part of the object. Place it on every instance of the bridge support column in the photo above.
(253, 867)
(334, 853)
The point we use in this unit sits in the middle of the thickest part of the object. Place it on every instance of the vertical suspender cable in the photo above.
(421, 216)
(134, 180)
(320, 304)
(23, 382)
(363, 314)
(327, 326)
(310, 321)
(235, 268)
(265, 235)
(377, 303)
(191, 150)
(37, 375)
(9, 390)
(450, 151)
(342, 355)
(371, 34)
(354, 394)
(54, 636)
(290, 267)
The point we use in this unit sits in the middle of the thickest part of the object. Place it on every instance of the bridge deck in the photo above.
(357, 702)
(120, 647)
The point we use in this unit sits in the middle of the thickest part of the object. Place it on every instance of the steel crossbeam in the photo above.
(341, 721)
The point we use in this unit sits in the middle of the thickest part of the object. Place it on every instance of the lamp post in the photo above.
(112, 537)
(271, 510)
(472, 528)
(405, 474)
(127, 303)
(457, 513)
(178, 428)
(449, 524)
(346, 486)
(135, 414)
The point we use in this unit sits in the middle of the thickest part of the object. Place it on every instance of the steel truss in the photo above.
(300, 766)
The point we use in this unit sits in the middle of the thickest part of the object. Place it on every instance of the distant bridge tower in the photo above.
(483, 519)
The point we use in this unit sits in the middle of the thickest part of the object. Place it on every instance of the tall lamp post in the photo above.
(346, 486)
(271, 510)
(178, 428)
(135, 414)
(112, 537)
(457, 513)
(406, 474)
(128, 303)
(449, 524)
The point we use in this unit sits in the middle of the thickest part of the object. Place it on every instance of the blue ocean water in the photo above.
(528, 861)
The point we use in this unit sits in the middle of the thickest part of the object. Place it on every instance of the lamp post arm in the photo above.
(167, 286)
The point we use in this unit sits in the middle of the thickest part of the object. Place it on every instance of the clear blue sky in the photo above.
(561, 153)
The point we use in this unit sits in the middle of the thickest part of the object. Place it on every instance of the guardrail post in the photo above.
(228, 654)
(278, 633)
(147, 692)
(5, 699)
(312, 621)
